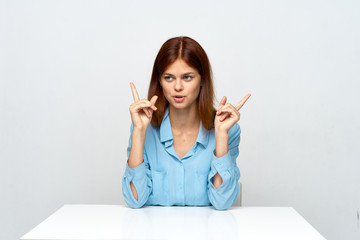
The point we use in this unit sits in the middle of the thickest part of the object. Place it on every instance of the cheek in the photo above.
(166, 91)
(196, 90)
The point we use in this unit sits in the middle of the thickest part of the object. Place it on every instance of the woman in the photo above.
(187, 155)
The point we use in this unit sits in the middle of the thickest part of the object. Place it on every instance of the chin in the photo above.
(179, 106)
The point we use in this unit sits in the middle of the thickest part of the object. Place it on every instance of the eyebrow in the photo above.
(169, 74)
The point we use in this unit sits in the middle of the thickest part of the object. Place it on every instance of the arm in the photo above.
(137, 184)
(222, 149)
(136, 154)
(224, 173)
(137, 179)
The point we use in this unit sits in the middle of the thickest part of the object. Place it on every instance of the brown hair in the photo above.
(194, 55)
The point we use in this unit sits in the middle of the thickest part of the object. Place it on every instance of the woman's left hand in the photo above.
(227, 115)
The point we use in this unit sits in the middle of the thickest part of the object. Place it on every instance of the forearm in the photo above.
(137, 185)
(222, 143)
(224, 172)
(136, 156)
(222, 148)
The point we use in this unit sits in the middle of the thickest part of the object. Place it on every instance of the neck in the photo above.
(184, 119)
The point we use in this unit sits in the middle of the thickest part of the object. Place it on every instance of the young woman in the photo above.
(182, 151)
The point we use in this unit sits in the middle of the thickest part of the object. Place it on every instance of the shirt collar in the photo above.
(166, 133)
(165, 129)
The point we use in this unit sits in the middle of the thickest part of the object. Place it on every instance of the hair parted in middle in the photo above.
(193, 54)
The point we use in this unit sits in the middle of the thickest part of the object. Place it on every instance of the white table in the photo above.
(122, 222)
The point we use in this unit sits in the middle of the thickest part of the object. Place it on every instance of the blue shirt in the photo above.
(165, 179)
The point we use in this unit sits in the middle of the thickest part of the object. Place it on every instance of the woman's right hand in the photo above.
(141, 110)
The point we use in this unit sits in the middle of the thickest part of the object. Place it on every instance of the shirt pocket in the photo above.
(159, 191)
(202, 188)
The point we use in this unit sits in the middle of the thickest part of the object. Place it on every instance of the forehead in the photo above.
(179, 66)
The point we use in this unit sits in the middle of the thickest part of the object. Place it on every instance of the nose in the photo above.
(178, 85)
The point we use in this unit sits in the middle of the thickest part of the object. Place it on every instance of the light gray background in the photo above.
(65, 68)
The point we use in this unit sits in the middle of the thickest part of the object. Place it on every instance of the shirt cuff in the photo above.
(135, 173)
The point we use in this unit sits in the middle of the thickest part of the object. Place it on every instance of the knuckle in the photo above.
(145, 101)
(227, 106)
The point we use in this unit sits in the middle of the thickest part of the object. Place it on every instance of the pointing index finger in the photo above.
(134, 92)
(242, 102)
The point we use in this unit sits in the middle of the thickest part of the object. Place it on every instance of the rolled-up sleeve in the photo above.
(223, 197)
(141, 178)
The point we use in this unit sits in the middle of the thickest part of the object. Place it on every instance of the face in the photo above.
(181, 85)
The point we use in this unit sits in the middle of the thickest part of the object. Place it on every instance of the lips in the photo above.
(179, 98)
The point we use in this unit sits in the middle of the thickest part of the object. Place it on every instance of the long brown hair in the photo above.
(194, 55)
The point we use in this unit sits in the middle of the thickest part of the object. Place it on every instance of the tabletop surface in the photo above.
(72, 222)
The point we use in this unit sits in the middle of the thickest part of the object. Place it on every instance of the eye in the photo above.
(168, 78)
(188, 77)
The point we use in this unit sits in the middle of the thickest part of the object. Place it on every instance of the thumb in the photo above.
(222, 103)
(153, 99)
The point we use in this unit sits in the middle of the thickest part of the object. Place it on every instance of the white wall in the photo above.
(65, 68)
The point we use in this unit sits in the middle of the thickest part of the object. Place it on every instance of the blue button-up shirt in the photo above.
(165, 179)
